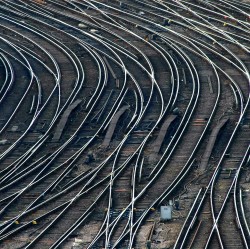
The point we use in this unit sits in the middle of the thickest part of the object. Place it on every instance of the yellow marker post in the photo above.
(16, 222)
(34, 222)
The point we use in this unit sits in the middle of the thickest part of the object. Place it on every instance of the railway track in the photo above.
(113, 108)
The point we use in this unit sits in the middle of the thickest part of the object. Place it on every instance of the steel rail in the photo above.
(186, 116)
(203, 25)
(236, 200)
(3, 63)
(18, 176)
(98, 25)
(133, 194)
(120, 169)
(8, 69)
(237, 9)
(219, 165)
(76, 70)
(183, 240)
(183, 235)
(76, 224)
(30, 205)
(231, 18)
(92, 242)
(136, 110)
(136, 61)
(33, 208)
(72, 100)
(216, 219)
(195, 102)
(88, 34)
(238, 89)
(12, 79)
(243, 214)
(7, 151)
(102, 86)
(144, 189)
(190, 21)
(107, 231)
(198, 6)
(174, 89)
(151, 90)
(37, 33)
(79, 221)
(130, 218)
(225, 16)
(241, 4)
(180, 16)
(244, 67)
(157, 201)
(42, 216)
(209, 184)
(81, 176)
(215, 70)
(224, 47)
(98, 115)
(38, 103)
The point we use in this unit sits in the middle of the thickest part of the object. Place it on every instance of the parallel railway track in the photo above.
(150, 59)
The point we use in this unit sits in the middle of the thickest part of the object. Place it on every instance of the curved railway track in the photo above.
(112, 109)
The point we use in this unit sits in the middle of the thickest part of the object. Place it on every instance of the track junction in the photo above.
(111, 109)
